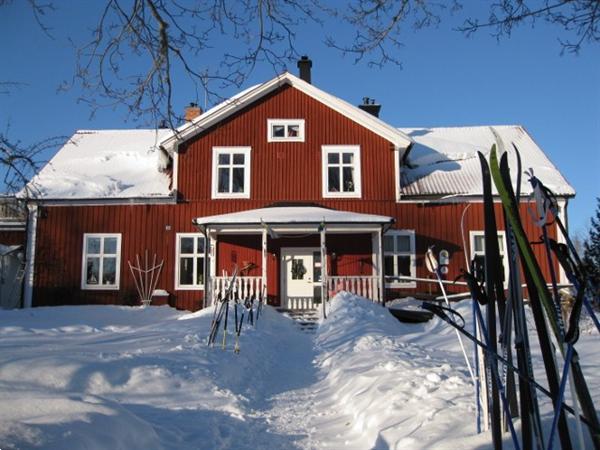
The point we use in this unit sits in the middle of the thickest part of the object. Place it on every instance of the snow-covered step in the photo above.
(307, 319)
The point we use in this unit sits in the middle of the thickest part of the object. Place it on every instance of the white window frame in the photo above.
(215, 174)
(412, 254)
(503, 250)
(178, 255)
(84, 256)
(285, 123)
(325, 151)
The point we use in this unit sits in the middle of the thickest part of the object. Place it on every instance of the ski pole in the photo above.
(433, 266)
(561, 394)
(438, 311)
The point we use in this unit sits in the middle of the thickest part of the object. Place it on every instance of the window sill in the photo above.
(230, 196)
(411, 285)
(189, 288)
(99, 288)
(294, 139)
(342, 195)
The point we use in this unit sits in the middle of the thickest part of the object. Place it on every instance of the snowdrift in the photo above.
(98, 377)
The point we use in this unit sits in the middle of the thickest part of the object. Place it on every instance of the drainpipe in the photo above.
(32, 217)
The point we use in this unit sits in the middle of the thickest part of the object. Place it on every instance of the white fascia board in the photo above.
(376, 125)
(354, 113)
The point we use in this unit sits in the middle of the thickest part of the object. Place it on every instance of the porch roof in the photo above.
(298, 215)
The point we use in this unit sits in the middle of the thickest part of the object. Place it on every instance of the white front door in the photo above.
(300, 275)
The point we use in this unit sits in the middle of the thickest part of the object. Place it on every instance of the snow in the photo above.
(105, 164)
(119, 377)
(292, 214)
(444, 160)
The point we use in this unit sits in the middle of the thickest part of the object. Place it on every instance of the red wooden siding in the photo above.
(287, 170)
(60, 238)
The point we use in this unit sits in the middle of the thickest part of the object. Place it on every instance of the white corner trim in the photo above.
(562, 215)
(355, 149)
(175, 174)
(397, 173)
(247, 172)
(30, 255)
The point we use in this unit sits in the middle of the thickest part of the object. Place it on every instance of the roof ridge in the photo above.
(452, 127)
(115, 130)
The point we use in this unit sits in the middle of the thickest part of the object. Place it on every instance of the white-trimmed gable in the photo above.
(247, 97)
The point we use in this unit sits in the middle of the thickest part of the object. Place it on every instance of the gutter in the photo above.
(170, 199)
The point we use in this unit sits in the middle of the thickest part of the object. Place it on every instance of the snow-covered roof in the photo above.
(443, 161)
(246, 97)
(105, 164)
(292, 215)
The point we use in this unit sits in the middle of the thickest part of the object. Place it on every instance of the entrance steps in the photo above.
(307, 319)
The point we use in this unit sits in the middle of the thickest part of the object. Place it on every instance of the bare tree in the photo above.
(578, 20)
(166, 37)
(140, 50)
(19, 162)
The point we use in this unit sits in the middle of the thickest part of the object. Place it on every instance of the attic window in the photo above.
(285, 130)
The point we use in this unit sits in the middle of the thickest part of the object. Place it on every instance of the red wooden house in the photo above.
(302, 191)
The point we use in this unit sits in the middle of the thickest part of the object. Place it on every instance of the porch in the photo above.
(294, 258)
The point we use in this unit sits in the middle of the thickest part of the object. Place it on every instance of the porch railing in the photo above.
(244, 288)
(365, 286)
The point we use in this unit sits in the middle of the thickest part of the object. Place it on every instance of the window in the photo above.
(285, 130)
(101, 261)
(341, 171)
(478, 253)
(231, 172)
(189, 269)
(399, 257)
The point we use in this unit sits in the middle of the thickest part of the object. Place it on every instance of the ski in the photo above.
(530, 415)
(493, 292)
(541, 302)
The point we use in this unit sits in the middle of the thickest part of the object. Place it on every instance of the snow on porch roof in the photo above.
(292, 215)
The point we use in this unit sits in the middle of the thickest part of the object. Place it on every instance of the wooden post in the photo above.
(380, 271)
(264, 265)
(324, 292)
(212, 260)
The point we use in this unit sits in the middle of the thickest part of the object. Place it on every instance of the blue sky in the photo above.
(446, 79)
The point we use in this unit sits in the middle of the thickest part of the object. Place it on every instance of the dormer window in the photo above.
(285, 130)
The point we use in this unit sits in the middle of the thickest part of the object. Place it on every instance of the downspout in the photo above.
(380, 263)
(32, 216)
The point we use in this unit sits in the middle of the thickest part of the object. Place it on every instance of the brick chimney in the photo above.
(304, 64)
(192, 111)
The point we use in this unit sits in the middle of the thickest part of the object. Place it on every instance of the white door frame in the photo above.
(290, 251)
